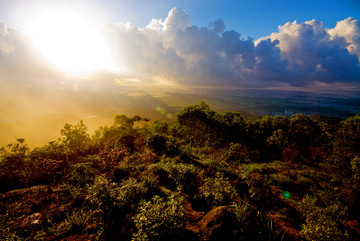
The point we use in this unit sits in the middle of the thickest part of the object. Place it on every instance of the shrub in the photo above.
(157, 143)
(323, 223)
(172, 146)
(75, 137)
(81, 175)
(355, 167)
(120, 172)
(123, 133)
(79, 219)
(254, 225)
(217, 191)
(160, 127)
(259, 189)
(160, 219)
(238, 153)
(161, 144)
(13, 165)
(113, 203)
(182, 174)
(346, 143)
(54, 150)
(242, 213)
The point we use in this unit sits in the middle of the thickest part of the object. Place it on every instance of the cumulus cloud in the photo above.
(314, 53)
(299, 54)
(19, 57)
(174, 50)
(349, 29)
(6, 45)
(177, 19)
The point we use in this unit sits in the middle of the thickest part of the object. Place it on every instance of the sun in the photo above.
(71, 42)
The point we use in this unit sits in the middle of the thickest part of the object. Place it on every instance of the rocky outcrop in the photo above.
(217, 224)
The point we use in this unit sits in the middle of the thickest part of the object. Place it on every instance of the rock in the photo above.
(217, 224)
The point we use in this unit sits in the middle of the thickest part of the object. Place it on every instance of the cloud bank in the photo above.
(18, 56)
(173, 50)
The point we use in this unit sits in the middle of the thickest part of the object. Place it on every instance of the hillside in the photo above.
(205, 176)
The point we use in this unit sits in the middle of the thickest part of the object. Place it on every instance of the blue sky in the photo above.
(294, 44)
(254, 18)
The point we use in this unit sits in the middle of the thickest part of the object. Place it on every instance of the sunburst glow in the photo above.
(71, 43)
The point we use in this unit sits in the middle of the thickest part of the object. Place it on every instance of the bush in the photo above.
(81, 175)
(259, 189)
(182, 175)
(113, 203)
(13, 165)
(355, 167)
(323, 223)
(123, 133)
(238, 153)
(161, 144)
(217, 191)
(346, 143)
(79, 219)
(253, 225)
(242, 213)
(75, 137)
(160, 219)
(157, 143)
(160, 127)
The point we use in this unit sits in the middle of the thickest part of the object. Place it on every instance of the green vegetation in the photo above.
(205, 176)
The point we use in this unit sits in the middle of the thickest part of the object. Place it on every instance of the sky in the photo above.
(242, 43)
(251, 18)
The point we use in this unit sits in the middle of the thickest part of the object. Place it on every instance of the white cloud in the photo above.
(315, 55)
(177, 19)
(6, 46)
(299, 54)
(350, 30)
(18, 56)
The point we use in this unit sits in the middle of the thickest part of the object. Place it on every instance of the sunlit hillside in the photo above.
(179, 120)
(205, 175)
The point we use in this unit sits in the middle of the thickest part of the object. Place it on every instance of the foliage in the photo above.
(122, 133)
(254, 225)
(217, 191)
(162, 181)
(75, 137)
(200, 126)
(160, 127)
(355, 167)
(181, 174)
(160, 219)
(157, 143)
(13, 165)
(323, 223)
(161, 144)
(238, 153)
(79, 219)
(112, 202)
(54, 150)
(346, 142)
(82, 174)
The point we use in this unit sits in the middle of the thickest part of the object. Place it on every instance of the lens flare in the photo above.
(286, 195)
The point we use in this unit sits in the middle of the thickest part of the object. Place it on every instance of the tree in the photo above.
(195, 123)
(346, 143)
(75, 137)
(13, 165)
(201, 126)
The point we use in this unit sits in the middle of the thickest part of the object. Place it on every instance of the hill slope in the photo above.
(207, 176)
